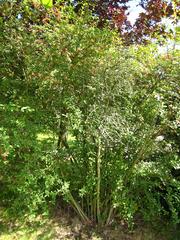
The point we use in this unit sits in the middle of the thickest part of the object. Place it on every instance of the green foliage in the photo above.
(113, 113)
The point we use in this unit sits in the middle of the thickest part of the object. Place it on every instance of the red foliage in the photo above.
(147, 24)
(115, 12)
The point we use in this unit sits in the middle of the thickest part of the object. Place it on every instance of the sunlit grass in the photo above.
(24, 234)
(43, 136)
(37, 229)
(46, 136)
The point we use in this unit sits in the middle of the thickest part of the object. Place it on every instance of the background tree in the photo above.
(148, 25)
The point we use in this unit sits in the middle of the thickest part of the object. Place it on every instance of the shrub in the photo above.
(113, 117)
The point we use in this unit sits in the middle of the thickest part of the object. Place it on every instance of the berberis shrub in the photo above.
(87, 119)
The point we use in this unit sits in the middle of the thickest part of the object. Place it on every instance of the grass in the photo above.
(39, 228)
(25, 235)
(64, 227)
(45, 136)
(51, 136)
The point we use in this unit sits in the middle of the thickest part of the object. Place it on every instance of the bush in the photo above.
(112, 114)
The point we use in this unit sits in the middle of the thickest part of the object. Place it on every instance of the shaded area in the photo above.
(64, 226)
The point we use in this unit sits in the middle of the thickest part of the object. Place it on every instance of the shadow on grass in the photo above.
(63, 227)
(25, 228)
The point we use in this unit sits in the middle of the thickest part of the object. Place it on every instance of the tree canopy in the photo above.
(148, 25)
